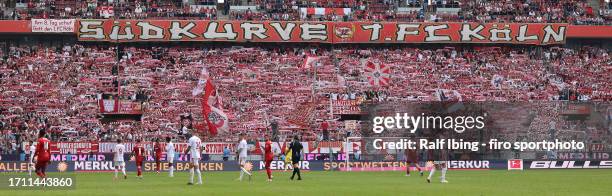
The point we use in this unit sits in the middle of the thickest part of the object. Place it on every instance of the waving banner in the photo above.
(320, 32)
(378, 74)
(212, 109)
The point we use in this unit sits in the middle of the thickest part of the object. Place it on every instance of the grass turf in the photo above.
(482, 182)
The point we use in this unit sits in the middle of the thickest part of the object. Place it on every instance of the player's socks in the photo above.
(443, 178)
(199, 176)
(171, 171)
(116, 173)
(44, 171)
(247, 172)
(241, 174)
(296, 171)
(123, 171)
(269, 172)
(299, 175)
(431, 173)
(191, 176)
(158, 166)
(420, 171)
(139, 171)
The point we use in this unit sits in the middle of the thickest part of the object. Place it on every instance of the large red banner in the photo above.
(319, 32)
(573, 31)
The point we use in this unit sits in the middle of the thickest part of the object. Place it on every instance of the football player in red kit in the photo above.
(412, 158)
(158, 154)
(268, 157)
(42, 154)
(139, 155)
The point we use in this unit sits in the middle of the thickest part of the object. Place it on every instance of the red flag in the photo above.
(216, 119)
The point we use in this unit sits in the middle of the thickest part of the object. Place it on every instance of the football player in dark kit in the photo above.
(296, 155)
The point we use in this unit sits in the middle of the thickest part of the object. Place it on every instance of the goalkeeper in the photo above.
(287, 158)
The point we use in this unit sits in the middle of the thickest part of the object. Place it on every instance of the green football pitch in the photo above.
(482, 182)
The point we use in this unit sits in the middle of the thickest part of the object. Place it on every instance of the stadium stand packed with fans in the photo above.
(580, 12)
(58, 88)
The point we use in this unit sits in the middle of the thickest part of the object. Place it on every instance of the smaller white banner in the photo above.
(53, 25)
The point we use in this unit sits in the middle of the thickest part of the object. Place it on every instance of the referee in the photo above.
(296, 152)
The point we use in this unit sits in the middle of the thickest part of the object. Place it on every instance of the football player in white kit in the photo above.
(32, 152)
(242, 156)
(194, 149)
(170, 155)
(119, 162)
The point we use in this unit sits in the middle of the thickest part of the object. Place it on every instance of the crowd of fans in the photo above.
(528, 11)
(577, 12)
(580, 12)
(59, 88)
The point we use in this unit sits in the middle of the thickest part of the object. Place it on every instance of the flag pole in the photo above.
(331, 107)
(314, 82)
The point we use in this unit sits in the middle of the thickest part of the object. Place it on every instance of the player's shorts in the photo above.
(120, 163)
(242, 160)
(295, 160)
(268, 162)
(412, 160)
(195, 161)
(41, 164)
(139, 162)
(170, 159)
(268, 159)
